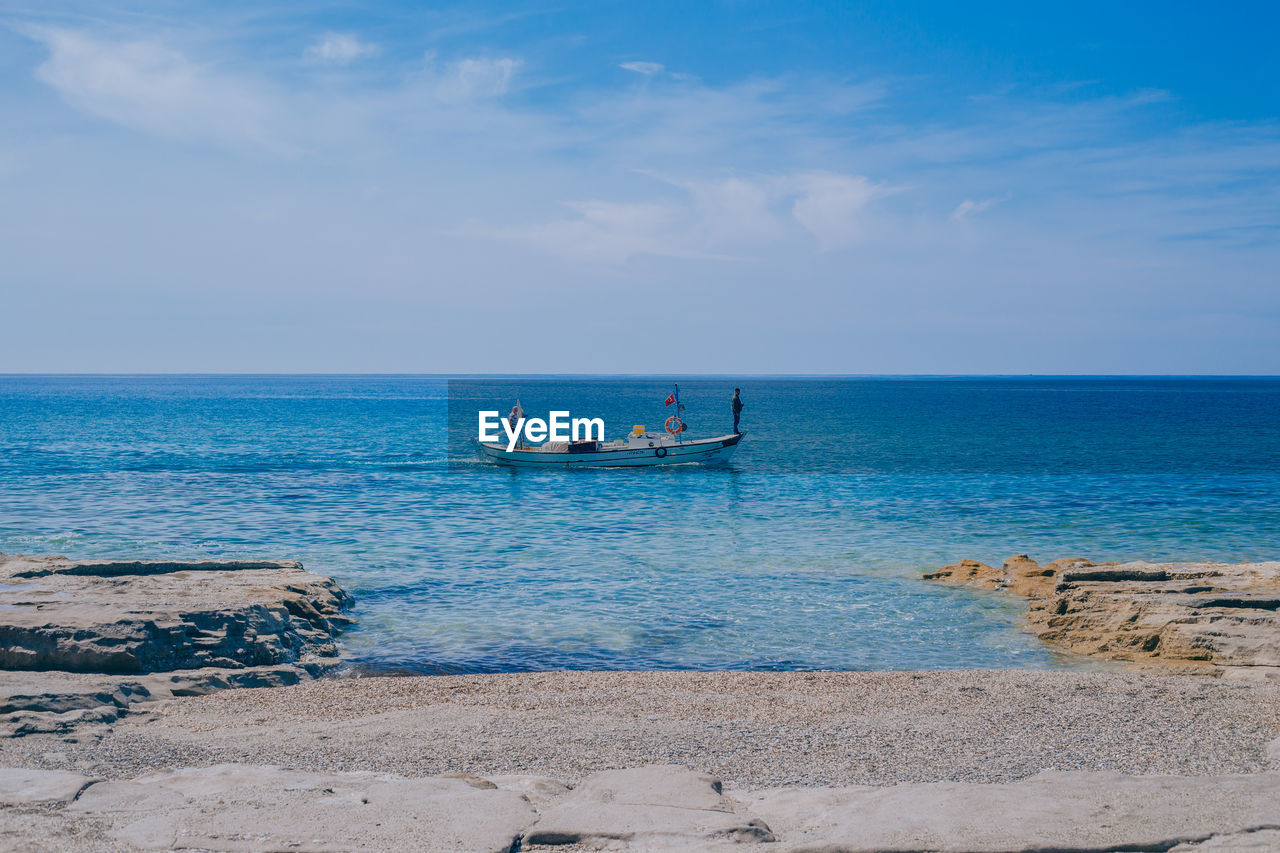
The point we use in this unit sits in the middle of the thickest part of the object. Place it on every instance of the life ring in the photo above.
(660, 452)
(679, 429)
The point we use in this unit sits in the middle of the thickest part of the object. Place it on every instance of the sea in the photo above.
(805, 553)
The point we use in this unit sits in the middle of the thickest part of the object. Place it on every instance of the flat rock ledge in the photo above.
(1197, 618)
(82, 641)
(656, 808)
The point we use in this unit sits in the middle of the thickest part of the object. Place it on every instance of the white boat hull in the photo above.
(665, 452)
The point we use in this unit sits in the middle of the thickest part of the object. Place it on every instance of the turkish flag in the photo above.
(671, 398)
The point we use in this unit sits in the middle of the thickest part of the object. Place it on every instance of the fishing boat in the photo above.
(643, 448)
(640, 448)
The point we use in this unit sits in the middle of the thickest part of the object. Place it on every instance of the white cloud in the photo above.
(609, 232)
(149, 86)
(832, 207)
(969, 207)
(339, 49)
(734, 217)
(646, 68)
(472, 78)
(737, 211)
(733, 212)
(760, 124)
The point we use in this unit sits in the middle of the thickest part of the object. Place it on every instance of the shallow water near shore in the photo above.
(805, 553)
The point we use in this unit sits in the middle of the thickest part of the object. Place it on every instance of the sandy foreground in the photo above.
(750, 729)
(965, 760)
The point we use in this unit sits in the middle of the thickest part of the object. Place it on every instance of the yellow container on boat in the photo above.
(638, 429)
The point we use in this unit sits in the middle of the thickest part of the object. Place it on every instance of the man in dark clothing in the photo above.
(736, 405)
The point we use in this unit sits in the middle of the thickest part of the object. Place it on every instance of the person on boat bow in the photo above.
(736, 405)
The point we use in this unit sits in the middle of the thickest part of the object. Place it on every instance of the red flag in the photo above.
(671, 398)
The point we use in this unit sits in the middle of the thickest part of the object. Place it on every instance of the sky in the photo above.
(665, 188)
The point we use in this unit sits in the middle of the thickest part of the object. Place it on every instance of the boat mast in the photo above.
(678, 410)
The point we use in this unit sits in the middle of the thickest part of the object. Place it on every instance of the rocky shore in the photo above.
(90, 639)
(131, 726)
(1206, 618)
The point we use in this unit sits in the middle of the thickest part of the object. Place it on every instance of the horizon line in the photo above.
(673, 376)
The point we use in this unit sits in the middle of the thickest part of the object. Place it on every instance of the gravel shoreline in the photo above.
(751, 729)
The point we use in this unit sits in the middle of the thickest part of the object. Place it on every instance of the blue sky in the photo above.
(620, 187)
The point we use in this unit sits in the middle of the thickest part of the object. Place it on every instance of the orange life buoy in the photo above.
(679, 425)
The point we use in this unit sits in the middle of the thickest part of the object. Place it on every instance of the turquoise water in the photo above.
(805, 553)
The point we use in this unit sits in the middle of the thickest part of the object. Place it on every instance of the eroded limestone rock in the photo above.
(80, 642)
(649, 806)
(1050, 811)
(235, 807)
(21, 787)
(1215, 614)
(59, 702)
(1029, 579)
(1249, 841)
(1214, 617)
(970, 573)
(239, 807)
(56, 614)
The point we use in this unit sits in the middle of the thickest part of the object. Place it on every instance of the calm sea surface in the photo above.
(804, 553)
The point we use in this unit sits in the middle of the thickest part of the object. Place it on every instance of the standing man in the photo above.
(736, 405)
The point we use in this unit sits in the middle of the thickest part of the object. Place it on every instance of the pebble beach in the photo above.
(751, 730)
